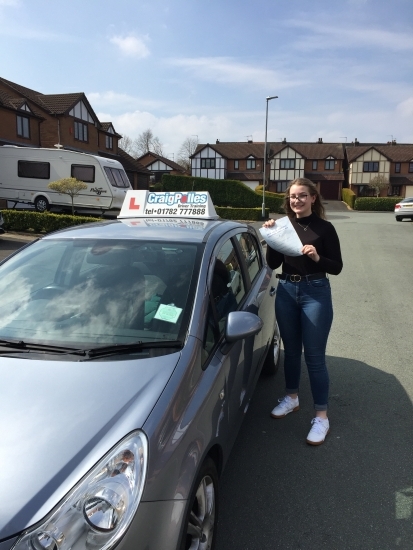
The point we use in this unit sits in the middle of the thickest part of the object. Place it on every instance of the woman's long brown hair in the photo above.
(316, 207)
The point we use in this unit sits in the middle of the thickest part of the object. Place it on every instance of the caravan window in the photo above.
(82, 172)
(32, 169)
(117, 177)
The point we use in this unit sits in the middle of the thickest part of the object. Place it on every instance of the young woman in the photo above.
(303, 304)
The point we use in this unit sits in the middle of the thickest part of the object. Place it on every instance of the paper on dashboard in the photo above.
(282, 237)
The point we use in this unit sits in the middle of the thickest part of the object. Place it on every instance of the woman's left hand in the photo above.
(310, 251)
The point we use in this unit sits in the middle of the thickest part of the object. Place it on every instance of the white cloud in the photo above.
(323, 36)
(405, 108)
(131, 46)
(115, 101)
(226, 70)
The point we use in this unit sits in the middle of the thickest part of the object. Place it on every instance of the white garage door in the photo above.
(409, 191)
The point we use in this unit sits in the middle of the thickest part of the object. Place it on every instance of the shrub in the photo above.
(223, 192)
(245, 214)
(377, 204)
(348, 196)
(41, 222)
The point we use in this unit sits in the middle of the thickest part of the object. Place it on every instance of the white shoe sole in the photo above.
(297, 408)
(317, 442)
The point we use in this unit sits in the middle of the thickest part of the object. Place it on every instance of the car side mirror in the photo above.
(240, 325)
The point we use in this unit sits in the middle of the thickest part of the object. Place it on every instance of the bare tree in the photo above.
(187, 149)
(378, 183)
(146, 142)
(127, 144)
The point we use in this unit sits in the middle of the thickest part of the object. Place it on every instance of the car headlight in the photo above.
(98, 510)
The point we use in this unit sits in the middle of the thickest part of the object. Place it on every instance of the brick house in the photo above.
(392, 161)
(31, 119)
(322, 163)
(158, 165)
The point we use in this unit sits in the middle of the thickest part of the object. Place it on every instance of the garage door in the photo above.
(409, 191)
(330, 190)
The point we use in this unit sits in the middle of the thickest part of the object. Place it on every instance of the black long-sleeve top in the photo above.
(323, 236)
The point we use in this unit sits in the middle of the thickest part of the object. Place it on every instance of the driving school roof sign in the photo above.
(190, 204)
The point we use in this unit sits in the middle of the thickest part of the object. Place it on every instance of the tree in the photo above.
(68, 186)
(187, 149)
(378, 183)
(127, 144)
(147, 142)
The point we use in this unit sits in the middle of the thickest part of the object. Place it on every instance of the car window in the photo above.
(251, 253)
(94, 292)
(227, 291)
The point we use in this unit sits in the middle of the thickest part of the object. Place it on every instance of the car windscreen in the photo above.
(89, 293)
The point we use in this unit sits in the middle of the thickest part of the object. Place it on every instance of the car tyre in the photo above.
(272, 359)
(202, 513)
(41, 204)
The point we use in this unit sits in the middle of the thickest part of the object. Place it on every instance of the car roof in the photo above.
(174, 230)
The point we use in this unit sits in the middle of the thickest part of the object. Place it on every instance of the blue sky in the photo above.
(341, 69)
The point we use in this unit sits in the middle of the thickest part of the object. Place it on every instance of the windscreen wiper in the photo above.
(20, 345)
(114, 349)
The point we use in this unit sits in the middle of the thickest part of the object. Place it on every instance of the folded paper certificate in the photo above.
(282, 237)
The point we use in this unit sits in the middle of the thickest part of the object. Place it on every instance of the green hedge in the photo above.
(348, 196)
(20, 220)
(224, 192)
(378, 204)
(246, 214)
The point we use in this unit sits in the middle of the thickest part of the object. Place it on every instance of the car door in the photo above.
(236, 360)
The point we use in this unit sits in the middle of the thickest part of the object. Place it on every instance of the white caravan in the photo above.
(26, 172)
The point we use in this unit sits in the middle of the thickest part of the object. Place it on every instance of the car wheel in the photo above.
(272, 359)
(202, 515)
(41, 204)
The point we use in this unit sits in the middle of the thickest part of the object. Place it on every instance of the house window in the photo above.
(83, 172)
(282, 186)
(23, 126)
(80, 131)
(287, 164)
(370, 166)
(397, 167)
(109, 142)
(315, 164)
(250, 164)
(329, 164)
(207, 163)
(31, 169)
(236, 164)
(410, 166)
(395, 190)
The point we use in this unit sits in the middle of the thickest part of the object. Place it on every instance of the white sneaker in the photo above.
(319, 430)
(287, 405)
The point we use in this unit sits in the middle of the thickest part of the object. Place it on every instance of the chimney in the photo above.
(393, 142)
(356, 141)
(217, 141)
(320, 140)
(250, 141)
(284, 140)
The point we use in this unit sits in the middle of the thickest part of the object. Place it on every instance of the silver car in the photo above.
(127, 366)
(404, 209)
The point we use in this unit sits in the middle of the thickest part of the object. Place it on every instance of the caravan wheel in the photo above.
(41, 204)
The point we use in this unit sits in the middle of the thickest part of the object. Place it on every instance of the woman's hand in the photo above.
(269, 223)
(310, 251)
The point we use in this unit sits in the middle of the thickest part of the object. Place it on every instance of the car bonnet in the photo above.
(59, 418)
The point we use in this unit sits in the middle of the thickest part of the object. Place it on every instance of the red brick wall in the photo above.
(8, 128)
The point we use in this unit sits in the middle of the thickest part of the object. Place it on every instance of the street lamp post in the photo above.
(264, 179)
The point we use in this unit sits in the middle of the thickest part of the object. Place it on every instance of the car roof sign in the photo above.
(166, 204)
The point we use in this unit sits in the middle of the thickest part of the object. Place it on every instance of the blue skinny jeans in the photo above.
(304, 314)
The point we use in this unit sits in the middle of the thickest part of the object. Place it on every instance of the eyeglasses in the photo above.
(302, 197)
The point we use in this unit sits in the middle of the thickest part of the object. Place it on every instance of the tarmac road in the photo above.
(356, 490)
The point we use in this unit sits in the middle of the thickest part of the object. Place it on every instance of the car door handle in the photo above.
(272, 291)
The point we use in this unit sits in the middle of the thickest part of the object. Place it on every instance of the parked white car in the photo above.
(404, 209)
